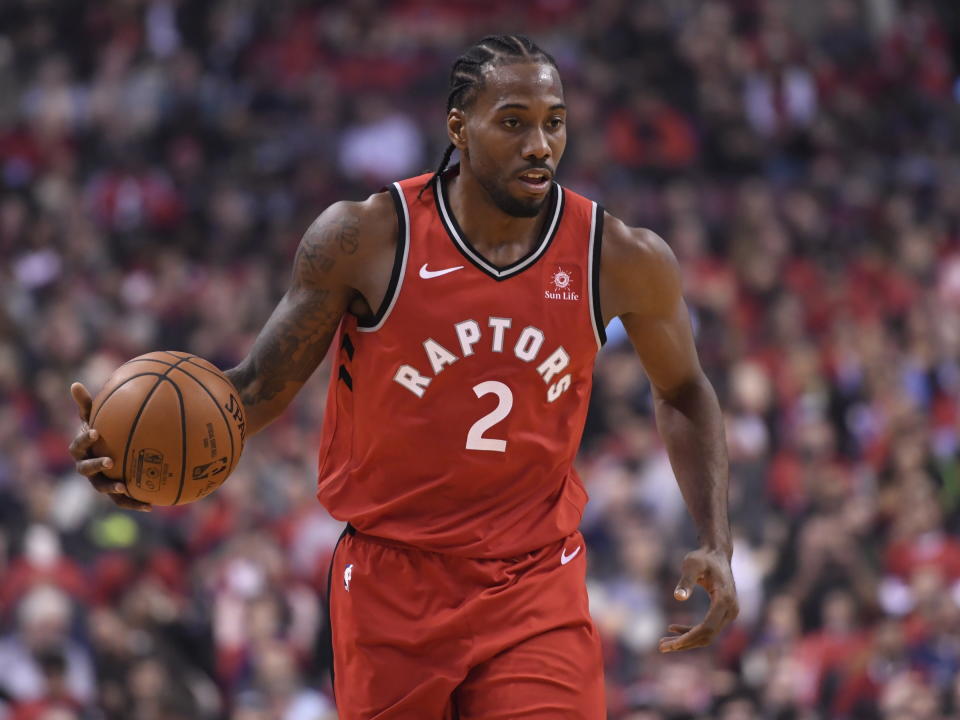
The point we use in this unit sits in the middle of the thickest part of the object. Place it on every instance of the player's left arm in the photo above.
(640, 283)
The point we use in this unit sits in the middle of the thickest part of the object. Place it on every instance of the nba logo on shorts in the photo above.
(347, 573)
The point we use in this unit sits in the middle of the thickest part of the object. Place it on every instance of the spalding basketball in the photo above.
(173, 425)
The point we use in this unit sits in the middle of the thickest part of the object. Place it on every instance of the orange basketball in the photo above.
(173, 425)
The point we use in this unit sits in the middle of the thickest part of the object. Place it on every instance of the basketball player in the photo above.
(464, 310)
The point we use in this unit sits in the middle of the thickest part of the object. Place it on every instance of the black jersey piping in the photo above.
(596, 243)
(369, 324)
(344, 374)
(327, 649)
(549, 231)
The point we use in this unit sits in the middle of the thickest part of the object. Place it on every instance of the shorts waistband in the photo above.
(400, 545)
(353, 532)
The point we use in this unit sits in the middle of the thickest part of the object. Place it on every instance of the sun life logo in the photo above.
(561, 279)
(563, 286)
(347, 574)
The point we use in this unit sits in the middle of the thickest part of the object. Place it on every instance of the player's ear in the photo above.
(457, 129)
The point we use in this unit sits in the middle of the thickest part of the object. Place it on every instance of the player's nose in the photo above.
(536, 146)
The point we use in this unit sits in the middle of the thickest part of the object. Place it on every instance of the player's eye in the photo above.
(556, 122)
(511, 122)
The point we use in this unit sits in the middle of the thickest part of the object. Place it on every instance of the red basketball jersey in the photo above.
(454, 415)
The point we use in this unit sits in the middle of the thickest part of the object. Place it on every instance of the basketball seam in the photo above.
(133, 426)
(173, 354)
(162, 362)
(183, 437)
(110, 395)
(183, 419)
(189, 362)
(156, 360)
(223, 415)
(201, 367)
(217, 375)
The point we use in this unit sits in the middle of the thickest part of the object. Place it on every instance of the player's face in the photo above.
(516, 133)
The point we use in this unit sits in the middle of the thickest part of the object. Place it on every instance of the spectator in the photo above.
(277, 677)
(39, 661)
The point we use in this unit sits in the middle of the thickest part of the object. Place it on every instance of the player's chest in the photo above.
(452, 321)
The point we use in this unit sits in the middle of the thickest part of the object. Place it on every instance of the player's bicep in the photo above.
(665, 346)
(298, 333)
(644, 288)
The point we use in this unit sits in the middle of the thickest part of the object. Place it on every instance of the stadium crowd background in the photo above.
(159, 160)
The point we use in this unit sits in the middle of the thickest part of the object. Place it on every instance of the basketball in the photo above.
(173, 424)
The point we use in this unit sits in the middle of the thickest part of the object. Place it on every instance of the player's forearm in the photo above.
(285, 354)
(262, 407)
(691, 424)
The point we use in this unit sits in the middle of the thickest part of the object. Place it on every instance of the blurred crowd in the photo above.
(159, 160)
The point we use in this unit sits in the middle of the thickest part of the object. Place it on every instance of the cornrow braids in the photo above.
(466, 75)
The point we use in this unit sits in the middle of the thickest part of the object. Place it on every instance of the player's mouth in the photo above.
(537, 181)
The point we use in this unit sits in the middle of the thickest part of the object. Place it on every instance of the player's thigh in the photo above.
(557, 675)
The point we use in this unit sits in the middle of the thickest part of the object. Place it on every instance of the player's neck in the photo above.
(492, 232)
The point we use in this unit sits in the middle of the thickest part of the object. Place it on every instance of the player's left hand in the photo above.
(711, 569)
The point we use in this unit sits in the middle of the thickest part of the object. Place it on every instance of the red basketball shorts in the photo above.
(423, 636)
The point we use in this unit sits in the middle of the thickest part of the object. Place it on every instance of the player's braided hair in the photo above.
(466, 75)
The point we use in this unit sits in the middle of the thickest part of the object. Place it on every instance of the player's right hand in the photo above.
(92, 467)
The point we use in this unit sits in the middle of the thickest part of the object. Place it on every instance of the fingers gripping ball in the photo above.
(173, 424)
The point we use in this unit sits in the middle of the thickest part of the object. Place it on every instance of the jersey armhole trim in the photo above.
(399, 263)
(593, 261)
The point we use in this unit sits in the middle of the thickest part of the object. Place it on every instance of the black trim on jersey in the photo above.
(462, 244)
(344, 375)
(327, 647)
(595, 280)
(371, 321)
(347, 345)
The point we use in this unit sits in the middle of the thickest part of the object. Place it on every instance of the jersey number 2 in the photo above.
(475, 438)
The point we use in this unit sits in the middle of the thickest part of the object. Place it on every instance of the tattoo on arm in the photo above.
(297, 335)
(289, 350)
(317, 254)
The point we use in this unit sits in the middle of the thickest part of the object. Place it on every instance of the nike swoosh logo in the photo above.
(564, 558)
(427, 274)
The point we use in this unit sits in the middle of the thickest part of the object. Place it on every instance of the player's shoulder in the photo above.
(634, 244)
(368, 222)
(346, 237)
(622, 243)
(637, 266)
